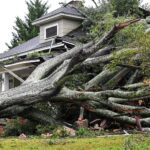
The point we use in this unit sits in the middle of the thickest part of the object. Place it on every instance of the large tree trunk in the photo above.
(115, 99)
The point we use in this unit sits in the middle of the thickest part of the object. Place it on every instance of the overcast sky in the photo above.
(9, 9)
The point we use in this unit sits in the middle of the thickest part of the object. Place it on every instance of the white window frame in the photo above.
(50, 26)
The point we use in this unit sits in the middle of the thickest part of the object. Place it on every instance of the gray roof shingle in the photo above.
(34, 43)
(30, 45)
(65, 10)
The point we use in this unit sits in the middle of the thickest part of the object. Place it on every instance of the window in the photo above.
(51, 31)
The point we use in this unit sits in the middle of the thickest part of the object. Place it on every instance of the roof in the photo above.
(64, 10)
(34, 44)
(28, 46)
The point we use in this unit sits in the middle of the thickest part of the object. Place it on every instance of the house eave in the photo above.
(56, 17)
(33, 51)
(20, 65)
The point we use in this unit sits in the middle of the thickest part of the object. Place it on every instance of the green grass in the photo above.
(136, 142)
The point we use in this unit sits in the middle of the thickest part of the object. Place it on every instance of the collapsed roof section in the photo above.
(33, 45)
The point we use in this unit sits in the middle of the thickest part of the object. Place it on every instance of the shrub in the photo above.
(15, 127)
(44, 128)
(60, 132)
(84, 132)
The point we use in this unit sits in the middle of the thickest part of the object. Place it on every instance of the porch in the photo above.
(13, 75)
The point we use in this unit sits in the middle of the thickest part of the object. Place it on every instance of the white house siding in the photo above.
(5, 82)
(69, 25)
(43, 27)
(64, 27)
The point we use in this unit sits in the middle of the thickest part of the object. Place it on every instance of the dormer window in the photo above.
(51, 31)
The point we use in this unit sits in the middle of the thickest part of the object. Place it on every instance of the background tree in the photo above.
(125, 7)
(24, 30)
(120, 8)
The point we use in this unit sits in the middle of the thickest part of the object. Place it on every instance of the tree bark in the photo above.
(47, 83)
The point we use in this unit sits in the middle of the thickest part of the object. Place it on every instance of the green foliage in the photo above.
(101, 143)
(105, 6)
(60, 132)
(33, 55)
(44, 129)
(144, 47)
(49, 108)
(76, 80)
(133, 143)
(104, 24)
(84, 132)
(131, 37)
(126, 7)
(137, 38)
(95, 15)
(23, 29)
(56, 142)
(14, 128)
(130, 144)
(60, 142)
(123, 57)
(38, 54)
(124, 38)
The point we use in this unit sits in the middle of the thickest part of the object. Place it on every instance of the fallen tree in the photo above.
(112, 93)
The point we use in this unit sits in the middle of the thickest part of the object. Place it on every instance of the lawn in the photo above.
(136, 142)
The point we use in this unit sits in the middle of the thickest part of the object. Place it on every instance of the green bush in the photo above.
(84, 132)
(60, 132)
(44, 129)
(14, 128)
(57, 131)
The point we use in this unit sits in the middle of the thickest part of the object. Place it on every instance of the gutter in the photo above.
(23, 62)
(52, 18)
(33, 51)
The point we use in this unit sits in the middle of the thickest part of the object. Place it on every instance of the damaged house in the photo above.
(60, 31)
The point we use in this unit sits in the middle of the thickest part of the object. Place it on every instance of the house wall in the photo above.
(0, 82)
(13, 82)
(64, 26)
(69, 25)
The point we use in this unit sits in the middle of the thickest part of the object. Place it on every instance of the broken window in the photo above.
(52, 31)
